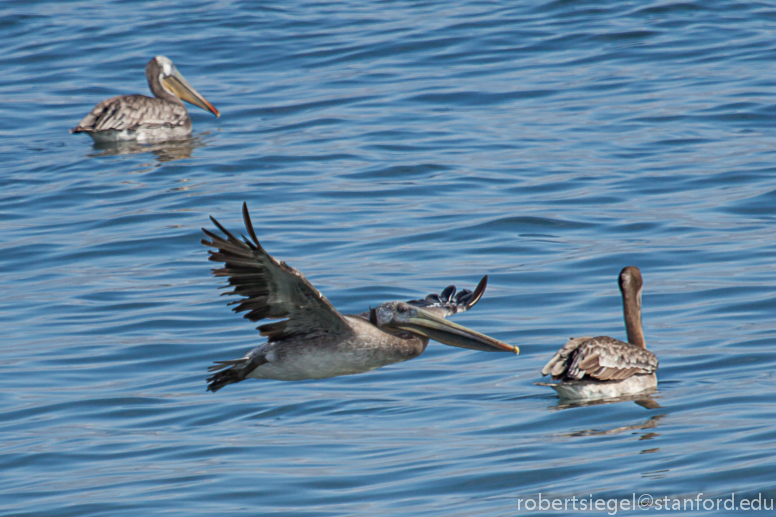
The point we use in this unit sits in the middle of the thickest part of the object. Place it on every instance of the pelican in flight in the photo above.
(604, 367)
(147, 119)
(315, 341)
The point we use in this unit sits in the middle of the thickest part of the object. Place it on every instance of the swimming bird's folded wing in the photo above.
(560, 362)
(450, 302)
(602, 358)
(130, 112)
(272, 289)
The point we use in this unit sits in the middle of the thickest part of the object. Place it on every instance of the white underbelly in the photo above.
(591, 390)
(321, 364)
(141, 135)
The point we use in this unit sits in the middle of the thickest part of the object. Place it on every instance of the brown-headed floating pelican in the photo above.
(147, 119)
(314, 341)
(604, 367)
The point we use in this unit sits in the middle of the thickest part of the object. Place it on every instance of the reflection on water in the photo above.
(167, 151)
(406, 147)
(651, 423)
(642, 399)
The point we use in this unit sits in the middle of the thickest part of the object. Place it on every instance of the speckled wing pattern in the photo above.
(602, 358)
(130, 112)
(450, 302)
(272, 289)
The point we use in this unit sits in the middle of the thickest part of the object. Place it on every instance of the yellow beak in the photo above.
(452, 334)
(177, 84)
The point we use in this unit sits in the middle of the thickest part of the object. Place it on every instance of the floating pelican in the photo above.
(314, 341)
(604, 367)
(147, 119)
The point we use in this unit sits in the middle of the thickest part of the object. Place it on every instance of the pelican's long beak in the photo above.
(452, 334)
(181, 87)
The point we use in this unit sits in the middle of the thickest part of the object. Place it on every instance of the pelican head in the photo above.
(631, 281)
(394, 317)
(162, 75)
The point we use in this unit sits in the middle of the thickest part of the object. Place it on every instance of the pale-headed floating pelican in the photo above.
(147, 119)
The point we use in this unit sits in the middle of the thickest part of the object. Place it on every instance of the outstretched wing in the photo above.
(272, 289)
(602, 358)
(450, 302)
(131, 112)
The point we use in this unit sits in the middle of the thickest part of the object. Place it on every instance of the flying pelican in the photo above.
(144, 119)
(604, 367)
(314, 341)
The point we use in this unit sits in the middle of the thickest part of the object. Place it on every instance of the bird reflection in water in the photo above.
(651, 423)
(167, 151)
(642, 399)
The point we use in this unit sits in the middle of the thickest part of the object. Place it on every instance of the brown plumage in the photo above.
(132, 112)
(271, 289)
(602, 358)
(605, 360)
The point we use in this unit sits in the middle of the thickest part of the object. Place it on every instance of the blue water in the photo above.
(387, 150)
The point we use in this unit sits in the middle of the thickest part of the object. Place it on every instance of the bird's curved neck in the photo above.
(631, 305)
(159, 91)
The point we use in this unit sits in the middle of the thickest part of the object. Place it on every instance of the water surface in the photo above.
(388, 150)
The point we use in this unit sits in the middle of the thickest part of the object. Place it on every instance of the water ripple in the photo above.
(387, 152)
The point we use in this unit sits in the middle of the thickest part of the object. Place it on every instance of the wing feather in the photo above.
(450, 302)
(602, 358)
(270, 288)
(131, 112)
